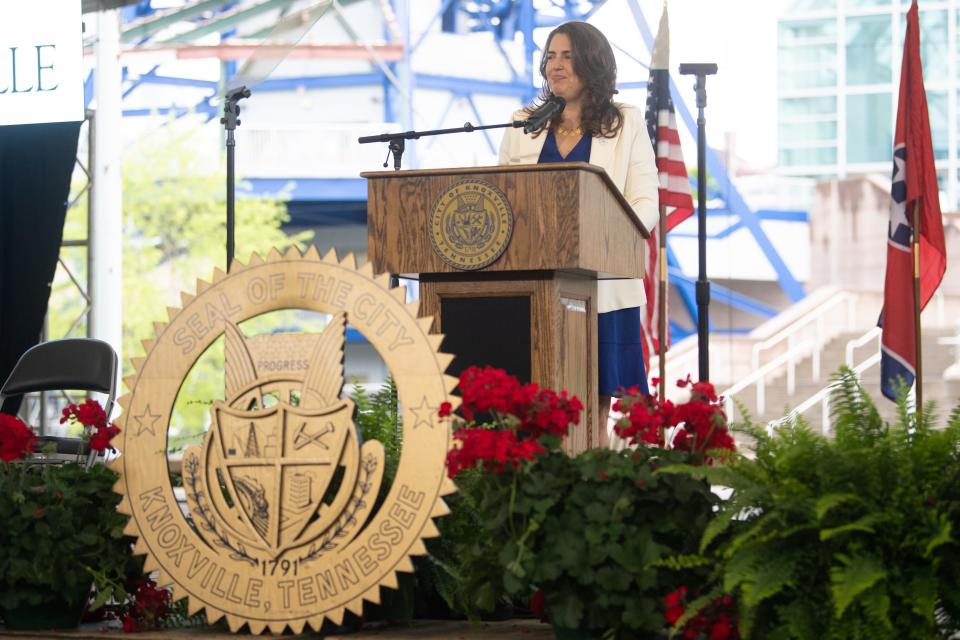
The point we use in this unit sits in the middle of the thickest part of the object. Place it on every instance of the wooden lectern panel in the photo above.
(566, 217)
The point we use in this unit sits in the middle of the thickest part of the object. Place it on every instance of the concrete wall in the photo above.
(848, 235)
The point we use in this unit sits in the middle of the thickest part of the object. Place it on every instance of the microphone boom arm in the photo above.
(397, 141)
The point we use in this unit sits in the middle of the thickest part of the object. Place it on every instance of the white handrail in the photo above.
(759, 375)
(688, 358)
(856, 343)
(823, 397)
(816, 317)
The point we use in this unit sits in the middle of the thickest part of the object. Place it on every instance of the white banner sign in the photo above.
(41, 61)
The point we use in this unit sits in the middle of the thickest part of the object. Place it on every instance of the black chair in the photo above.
(82, 364)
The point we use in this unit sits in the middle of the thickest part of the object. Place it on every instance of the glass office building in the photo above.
(838, 82)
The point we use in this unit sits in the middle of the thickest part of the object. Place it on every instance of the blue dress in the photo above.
(620, 356)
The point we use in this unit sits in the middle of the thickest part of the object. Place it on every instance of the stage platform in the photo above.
(419, 630)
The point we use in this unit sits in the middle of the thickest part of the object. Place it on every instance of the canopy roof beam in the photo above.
(156, 23)
(226, 21)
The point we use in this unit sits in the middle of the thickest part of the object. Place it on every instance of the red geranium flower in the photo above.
(698, 425)
(16, 438)
(716, 621)
(94, 420)
(523, 414)
(538, 604)
(149, 608)
(494, 450)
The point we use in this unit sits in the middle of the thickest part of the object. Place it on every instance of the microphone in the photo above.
(541, 116)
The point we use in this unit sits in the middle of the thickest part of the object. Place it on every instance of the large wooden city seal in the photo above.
(280, 529)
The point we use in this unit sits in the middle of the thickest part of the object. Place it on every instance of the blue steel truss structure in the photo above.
(507, 21)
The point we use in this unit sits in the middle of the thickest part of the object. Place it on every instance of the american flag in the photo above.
(914, 184)
(674, 183)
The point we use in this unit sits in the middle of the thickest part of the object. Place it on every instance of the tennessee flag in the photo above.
(674, 185)
(914, 184)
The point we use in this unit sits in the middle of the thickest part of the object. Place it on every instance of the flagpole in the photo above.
(918, 407)
(662, 302)
(914, 181)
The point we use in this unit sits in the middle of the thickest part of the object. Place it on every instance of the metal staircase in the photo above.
(785, 365)
(936, 359)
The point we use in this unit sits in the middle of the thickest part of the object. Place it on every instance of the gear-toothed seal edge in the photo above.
(389, 580)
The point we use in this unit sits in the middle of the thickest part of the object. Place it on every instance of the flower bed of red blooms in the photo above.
(17, 440)
(527, 409)
(519, 416)
(698, 425)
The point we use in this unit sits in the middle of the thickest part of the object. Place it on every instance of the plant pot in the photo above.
(55, 613)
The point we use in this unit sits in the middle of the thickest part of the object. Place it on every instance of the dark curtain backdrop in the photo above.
(36, 162)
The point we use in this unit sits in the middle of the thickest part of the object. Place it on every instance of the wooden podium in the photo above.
(533, 309)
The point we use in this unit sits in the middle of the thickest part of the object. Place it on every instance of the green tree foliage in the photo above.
(174, 232)
(845, 537)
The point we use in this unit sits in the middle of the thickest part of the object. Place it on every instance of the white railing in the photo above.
(796, 349)
(953, 371)
(680, 365)
(759, 376)
(823, 396)
(791, 333)
(856, 343)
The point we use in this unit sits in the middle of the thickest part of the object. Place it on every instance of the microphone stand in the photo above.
(701, 71)
(397, 141)
(230, 121)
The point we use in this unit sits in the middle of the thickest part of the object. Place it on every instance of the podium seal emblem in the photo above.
(278, 525)
(471, 224)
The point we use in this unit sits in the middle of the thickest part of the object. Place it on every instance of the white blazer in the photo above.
(629, 161)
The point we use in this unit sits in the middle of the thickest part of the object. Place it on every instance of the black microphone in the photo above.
(541, 116)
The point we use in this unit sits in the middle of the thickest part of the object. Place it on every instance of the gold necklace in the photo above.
(569, 132)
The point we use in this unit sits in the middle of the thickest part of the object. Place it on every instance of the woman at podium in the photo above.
(578, 65)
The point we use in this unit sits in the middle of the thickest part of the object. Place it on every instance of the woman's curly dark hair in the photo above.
(594, 63)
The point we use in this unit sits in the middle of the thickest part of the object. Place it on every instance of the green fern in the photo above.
(831, 500)
(693, 608)
(852, 577)
(770, 578)
(682, 562)
(843, 537)
(862, 525)
(377, 416)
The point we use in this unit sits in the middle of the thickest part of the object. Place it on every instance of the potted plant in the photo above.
(850, 536)
(60, 526)
(594, 542)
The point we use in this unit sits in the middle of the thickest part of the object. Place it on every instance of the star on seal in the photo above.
(147, 421)
(424, 414)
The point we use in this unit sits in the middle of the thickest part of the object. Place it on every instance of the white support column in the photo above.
(106, 220)
(952, 107)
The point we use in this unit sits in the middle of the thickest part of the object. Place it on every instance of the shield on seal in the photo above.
(279, 462)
